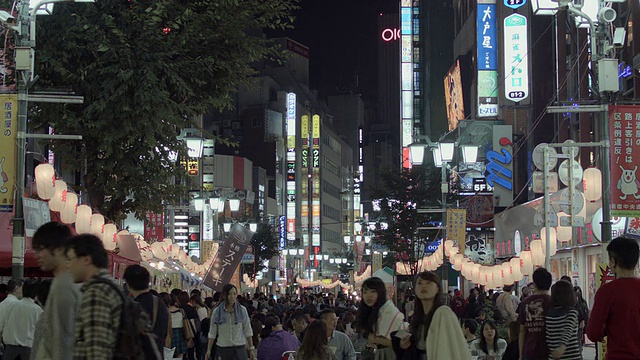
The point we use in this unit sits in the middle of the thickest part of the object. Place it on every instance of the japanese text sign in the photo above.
(229, 257)
(153, 227)
(9, 123)
(624, 123)
(457, 227)
(516, 61)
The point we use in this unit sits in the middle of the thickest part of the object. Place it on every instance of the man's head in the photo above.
(49, 244)
(86, 256)
(542, 279)
(507, 288)
(623, 254)
(30, 289)
(14, 287)
(469, 327)
(566, 278)
(329, 316)
(299, 321)
(137, 278)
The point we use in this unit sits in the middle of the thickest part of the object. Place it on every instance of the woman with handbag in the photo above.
(177, 332)
(378, 317)
(434, 332)
(230, 328)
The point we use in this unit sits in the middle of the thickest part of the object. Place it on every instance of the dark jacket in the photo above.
(162, 320)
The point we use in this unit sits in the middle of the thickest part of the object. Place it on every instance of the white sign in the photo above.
(516, 61)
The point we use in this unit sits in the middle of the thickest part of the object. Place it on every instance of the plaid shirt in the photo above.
(98, 320)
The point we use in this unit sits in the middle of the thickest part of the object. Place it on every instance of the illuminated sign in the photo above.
(487, 58)
(453, 96)
(282, 232)
(514, 4)
(290, 226)
(390, 34)
(516, 61)
(406, 73)
(500, 165)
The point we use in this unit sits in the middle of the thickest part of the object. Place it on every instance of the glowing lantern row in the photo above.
(57, 200)
(109, 236)
(83, 219)
(68, 212)
(45, 178)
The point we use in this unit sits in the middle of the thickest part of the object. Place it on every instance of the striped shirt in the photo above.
(562, 329)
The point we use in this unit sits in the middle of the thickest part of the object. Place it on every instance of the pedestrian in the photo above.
(512, 353)
(339, 343)
(562, 323)
(379, 317)
(583, 314)
(191, 314)
(507, 304)
(57, 326)
(616, 309)
(489, 346)
(315, 344)
(14, 294)
(231, 325)
(299, 323)
(177, 327)
(19, 325)
(457, 303)
(275, 341)
(469, 329)
(434, 332)
(532, 339)
(137, 279)
(99, 315)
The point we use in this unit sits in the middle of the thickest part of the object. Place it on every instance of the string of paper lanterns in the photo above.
(305, 283)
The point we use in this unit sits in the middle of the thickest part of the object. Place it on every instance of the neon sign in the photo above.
(498, 162)
(390, 34)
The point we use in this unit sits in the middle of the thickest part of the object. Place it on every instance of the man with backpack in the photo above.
(137, 279)
(108, 325)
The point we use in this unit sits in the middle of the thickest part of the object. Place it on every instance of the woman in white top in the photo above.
(177, 332)
(488, 346)
(378, 317)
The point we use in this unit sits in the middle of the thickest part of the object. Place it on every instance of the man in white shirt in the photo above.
(339, 343)
(19, 325)
(507, 303)
(14, 290)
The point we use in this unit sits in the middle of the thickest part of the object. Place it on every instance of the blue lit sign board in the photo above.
(282, 231)
(487, 38)
(514, 4)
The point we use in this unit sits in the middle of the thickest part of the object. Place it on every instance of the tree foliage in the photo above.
(401, 194)
(265, 247)
(146, 68)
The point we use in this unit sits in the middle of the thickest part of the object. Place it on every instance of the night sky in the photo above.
(342, 38)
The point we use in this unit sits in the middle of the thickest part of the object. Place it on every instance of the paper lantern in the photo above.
(553, 243)
(516, 272)
(526, 262)
(592, 184)
(83, 219)
(159, 250)
(97, 221)
(505, 272)
(57, 201)
(537, 252)
(45, 178)
(109, 236)
(68, 212)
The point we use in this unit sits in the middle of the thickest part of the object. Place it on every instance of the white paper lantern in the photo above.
(592, 184)
(526, 262)
(57, 201)
(505, 272)
(68, 213)
(97, 222)
(45, 178)
(159, 250)
(109, 236)
(83, 219)
(553, 242)
(516, 272)
(537, 252)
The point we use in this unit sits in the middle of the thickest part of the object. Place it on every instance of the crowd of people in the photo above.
(83, 314)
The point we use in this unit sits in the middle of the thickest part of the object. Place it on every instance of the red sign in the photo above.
(154, 227)
(624, 133)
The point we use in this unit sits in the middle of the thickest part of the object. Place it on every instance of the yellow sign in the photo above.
(9, 103)
(376, 263)
(305, 127)
(457, 227)
(291, 142)
(316, 127)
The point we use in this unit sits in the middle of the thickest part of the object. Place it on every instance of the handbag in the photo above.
(188, 327)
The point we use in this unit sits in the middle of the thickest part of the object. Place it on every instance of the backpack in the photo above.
(135, 339)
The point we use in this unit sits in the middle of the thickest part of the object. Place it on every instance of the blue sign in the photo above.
(405, 19)
(514, 4)
(282, 231)
(487, 38)
(498, 166)
(432, 246)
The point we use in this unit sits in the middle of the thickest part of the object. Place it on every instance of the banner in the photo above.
(487, 58)
(376, 262)
(604, 276)
(457, 227)
(153, 227)
(624, 122)
(228, 258)
(9, 103)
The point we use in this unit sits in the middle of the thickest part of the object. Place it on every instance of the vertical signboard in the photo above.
(500, 165)
(154, 227)
(228, 258)
(516, 61)
(457, 227)
(305, 211)
(291, 167)
(406, 75)
(487, 58)
(624, 127)
(9, 103)
(315, 181)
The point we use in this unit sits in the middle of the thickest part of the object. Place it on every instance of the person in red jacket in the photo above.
(616, 309)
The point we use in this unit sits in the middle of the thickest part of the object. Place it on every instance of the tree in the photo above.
(401, 194)
(265, 247)
(146, 68)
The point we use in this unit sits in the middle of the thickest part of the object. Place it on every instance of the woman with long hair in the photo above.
(562, 323)
(434, 330)
(315, 345)
(489, 346)
(378, 317)
(230, 328)
(275, 341)
(177, 331)
(583, 314)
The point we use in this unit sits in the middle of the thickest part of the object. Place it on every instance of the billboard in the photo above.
(453, 96)
(487, 58)
(625, 155)
(500, 165)
(228, 258)
(9, 103)
(406, 73)
(516, 62)
(291, 167)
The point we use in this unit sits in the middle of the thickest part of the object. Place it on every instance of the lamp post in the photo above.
(24, 55)
(443, 154)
